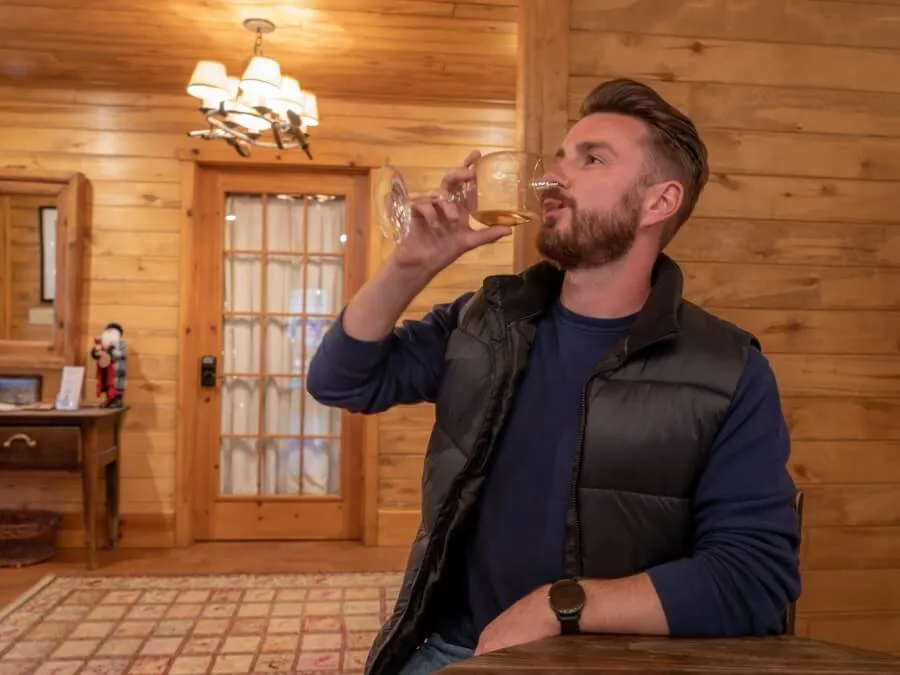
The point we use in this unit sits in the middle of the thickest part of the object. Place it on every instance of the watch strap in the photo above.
(569, 625)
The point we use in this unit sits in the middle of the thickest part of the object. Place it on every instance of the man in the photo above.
(606, 457)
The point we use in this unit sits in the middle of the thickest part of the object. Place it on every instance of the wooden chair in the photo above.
(790, 616)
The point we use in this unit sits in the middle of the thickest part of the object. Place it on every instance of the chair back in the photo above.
(790, 615)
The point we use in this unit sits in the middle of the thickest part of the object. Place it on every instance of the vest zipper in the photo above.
(574, 570)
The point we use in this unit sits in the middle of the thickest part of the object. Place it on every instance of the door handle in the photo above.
(208, 371)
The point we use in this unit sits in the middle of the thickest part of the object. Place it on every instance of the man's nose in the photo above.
(554, 172)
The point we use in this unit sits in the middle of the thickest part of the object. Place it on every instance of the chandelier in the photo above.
(263, 108)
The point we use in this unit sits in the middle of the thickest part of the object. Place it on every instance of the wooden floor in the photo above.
(218, 558)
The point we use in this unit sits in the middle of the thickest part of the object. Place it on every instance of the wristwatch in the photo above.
(567, 599)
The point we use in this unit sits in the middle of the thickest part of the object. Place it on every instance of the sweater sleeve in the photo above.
(744, 569)
(370, 377)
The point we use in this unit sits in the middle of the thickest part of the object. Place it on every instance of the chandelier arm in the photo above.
(295, 139)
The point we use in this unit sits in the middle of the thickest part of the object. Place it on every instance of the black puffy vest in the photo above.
(650, 412)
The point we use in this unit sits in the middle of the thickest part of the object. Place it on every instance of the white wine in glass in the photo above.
(506, 191)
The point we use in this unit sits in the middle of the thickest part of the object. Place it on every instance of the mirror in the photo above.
(43, 221)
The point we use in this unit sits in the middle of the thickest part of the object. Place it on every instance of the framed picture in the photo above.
(47, 216)
(20, 389)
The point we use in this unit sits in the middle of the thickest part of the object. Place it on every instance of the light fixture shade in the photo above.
(310, 109)
(262, 77)
(290, 97)
(209, 81)
(243, 112)
(217, 97)
(234, 88)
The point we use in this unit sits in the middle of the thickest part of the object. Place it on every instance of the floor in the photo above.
(212, 558)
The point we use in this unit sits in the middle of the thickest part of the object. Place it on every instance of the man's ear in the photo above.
(662, 202)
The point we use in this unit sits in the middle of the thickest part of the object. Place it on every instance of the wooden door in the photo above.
(276, 256)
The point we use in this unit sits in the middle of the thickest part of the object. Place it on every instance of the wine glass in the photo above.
(506, 191)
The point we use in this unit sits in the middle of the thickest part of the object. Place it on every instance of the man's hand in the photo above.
(440, 232)
(627, 605)
(528, 620)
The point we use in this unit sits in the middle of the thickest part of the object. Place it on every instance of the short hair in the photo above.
(677, 152)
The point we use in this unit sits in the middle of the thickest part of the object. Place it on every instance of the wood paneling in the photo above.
(133, 265)
(397, 50)
(796, 238)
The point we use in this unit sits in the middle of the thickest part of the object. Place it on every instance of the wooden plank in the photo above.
(814, 22)
(135, 268)
(833, 419)
(845, 462)
(397, 527)
(135, 318)
(410, 124)
(98, 168)
(721, 285)
(322, 28)
(741, 241)
(842, 376)
(743, 107)
(777, 198)
(119, 106)
(733, 62)
(160, 244)
(146, 293)
(848, 548)
(406, 466)
(150, 158)
(876, 631)
(397, 493)
(850, 591)
(157, 195)
(807, 154)
(852, 505)
(134, 219)
(804, 331)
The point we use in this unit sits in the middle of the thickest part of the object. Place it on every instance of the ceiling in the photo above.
(398, 50)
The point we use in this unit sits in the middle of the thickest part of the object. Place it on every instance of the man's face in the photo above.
(593, 219)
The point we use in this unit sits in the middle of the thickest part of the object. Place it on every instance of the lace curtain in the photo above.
(272, 414)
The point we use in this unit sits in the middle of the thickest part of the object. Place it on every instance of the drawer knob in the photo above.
(28, 440)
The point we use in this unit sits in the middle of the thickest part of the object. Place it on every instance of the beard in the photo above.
(593, 239)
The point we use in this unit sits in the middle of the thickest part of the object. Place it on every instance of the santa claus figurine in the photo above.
(111, 354)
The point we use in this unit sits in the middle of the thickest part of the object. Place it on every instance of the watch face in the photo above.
(567, 597)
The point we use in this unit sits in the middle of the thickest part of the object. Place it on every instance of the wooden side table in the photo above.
(85, 440)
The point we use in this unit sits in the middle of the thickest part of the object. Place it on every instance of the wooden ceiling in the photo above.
(395, 50)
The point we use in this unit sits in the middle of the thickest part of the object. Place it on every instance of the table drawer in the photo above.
(40, 447)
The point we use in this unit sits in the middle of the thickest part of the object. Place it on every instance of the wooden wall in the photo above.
(127, 145)
(796, 238)
(20, 280)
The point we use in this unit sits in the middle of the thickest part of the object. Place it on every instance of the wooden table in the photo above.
(85, 440)
(595, 654)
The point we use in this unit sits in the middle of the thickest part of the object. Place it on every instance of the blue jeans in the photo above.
(434, 655)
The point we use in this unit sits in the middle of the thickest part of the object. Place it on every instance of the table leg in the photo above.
(112, 502)
(90, 478)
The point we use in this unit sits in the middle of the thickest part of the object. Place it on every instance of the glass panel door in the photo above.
(275, 255)
(283, 286)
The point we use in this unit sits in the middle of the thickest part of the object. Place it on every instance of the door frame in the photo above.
(191, 162)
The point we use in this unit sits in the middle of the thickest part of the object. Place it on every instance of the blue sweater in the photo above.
(744, 569)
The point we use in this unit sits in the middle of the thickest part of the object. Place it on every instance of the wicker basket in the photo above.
(27, 536)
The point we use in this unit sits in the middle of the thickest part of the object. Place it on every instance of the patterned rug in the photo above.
(142, 625)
